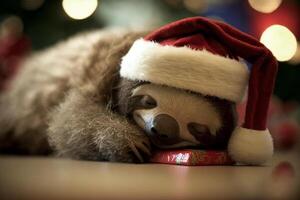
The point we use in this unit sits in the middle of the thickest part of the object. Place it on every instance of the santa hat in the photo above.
(209, 57)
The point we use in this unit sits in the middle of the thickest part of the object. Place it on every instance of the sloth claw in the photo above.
(136, 152)
(143, 146)
(147, 144)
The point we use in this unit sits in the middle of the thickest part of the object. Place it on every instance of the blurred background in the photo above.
(31, 25)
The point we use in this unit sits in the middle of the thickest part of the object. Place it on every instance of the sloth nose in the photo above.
(165, 129)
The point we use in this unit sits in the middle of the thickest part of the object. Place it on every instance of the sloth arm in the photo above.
(81, 128)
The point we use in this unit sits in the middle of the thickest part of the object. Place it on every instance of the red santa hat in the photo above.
(208, 56)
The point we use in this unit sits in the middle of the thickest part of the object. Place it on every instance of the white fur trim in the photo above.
(250, 146)
(185, 68)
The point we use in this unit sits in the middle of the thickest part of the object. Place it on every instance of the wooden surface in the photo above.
(50, 178)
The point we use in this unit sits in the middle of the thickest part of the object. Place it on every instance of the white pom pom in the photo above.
(249, 146)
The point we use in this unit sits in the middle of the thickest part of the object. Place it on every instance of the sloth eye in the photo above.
(148, 102)
(201, 133)
(197, 128)
(141, 102)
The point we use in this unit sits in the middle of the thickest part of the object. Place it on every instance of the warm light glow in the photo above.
(265, 6)
(79, 9)
(281, 41)
(296, 58)
(32, 4)
(11, 26)
(195, 6)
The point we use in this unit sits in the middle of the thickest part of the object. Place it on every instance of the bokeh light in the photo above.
(295, 60)
(79, 9)
(11, 26)
(265, 6)
(281, 41)
(32, 4)
(195, 6)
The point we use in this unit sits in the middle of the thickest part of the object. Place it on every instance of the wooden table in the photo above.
(51, 178)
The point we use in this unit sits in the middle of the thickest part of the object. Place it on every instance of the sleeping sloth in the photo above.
(71, 100)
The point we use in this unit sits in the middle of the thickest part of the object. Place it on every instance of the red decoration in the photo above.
(283, 169)
(285, 134)
(12, 51)
(192, 157)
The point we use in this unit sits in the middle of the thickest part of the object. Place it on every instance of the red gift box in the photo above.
(192, 157)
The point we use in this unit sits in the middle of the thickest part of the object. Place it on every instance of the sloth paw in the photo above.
(140, 147)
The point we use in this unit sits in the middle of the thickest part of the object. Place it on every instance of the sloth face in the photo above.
(173, 117)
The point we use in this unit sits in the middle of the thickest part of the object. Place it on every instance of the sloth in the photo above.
(69, 100)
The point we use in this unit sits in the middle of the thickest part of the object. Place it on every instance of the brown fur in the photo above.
(228, 113)
(65, 92)
(121, 96)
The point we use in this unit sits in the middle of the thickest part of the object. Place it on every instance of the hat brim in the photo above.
(185, 68)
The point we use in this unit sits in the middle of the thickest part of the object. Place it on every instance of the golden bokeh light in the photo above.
(195, 6)
(295, 60)
(265, 6)
(281, 41)
(79, 9)
(11, 26)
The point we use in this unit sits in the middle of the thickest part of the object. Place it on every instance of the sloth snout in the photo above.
(164, 129)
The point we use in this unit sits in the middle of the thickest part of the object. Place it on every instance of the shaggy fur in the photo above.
(75, 76)
(70, 99)
(208, 73)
